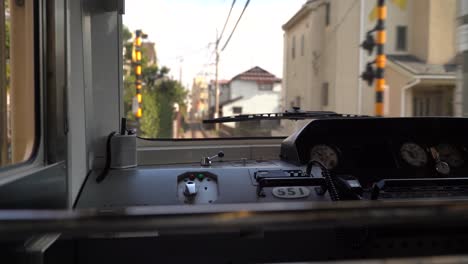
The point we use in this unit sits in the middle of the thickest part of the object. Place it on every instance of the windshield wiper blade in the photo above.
(293, 115)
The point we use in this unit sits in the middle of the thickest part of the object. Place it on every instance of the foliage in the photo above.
(150, 122)
(159, 94)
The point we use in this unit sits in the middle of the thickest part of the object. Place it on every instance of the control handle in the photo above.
(206, 161)
(190, 189)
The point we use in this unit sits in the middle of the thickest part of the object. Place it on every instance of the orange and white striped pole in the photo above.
(381, 59)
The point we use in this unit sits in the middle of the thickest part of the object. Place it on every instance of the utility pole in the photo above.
(216, 114)
(380, 61)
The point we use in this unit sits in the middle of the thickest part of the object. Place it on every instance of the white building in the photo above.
(252, 92)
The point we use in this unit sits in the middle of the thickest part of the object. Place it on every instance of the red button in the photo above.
(192, 177)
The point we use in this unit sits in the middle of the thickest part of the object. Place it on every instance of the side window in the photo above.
(17, 82)
(325, 94)
(327, 14)
(265, 87)
(237, 110)
(293, 50)
(302, 45)
(401, 38)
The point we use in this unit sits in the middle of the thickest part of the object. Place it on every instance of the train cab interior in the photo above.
(78, 185)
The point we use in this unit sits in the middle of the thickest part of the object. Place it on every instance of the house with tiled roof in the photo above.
(256, 90)
(251, 92)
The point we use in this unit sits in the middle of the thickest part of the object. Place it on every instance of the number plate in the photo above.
(291, 192)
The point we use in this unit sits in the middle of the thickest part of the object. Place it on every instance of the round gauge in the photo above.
(443, 168)
(450, 154)
(413, 154)
(325, 154)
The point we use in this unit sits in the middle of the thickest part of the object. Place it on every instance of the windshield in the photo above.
(191, 60)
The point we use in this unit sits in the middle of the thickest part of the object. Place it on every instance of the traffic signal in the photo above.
(369, 43)
(368, 75)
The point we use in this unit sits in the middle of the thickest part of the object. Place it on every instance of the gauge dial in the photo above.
(450, 154)
(413, 154)
(325, 154)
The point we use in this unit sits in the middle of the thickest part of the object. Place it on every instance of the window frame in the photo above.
(35, 161)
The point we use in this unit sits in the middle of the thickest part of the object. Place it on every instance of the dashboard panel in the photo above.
(327, 160)
(413, 165)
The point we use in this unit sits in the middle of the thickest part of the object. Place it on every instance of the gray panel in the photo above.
(77, 159)
(55, 90)
(88, 86)
(158, 186)
(44, 189)
(106, 73)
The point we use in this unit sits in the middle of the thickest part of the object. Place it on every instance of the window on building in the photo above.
(17, 84)
(302, 44)
(237, 110)
(325, 94)
(433, 103)
(327, 14)
(401, 38)
(265, 87)
(293, 49)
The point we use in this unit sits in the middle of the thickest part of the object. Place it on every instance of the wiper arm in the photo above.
(295, 114)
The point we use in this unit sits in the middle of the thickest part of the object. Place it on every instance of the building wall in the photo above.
(319, 71)
(297, 68)
(442, 31)
(333, 54)
(344, 37)
(199, 97)
(395, 83)
(433, 35)
(419, 44)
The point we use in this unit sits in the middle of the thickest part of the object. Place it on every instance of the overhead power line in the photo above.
(235, 26)
(227, 20)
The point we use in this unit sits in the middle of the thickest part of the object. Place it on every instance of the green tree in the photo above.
(150, 122)
(169, 92)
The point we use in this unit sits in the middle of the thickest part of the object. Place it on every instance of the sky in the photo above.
(186, 30)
